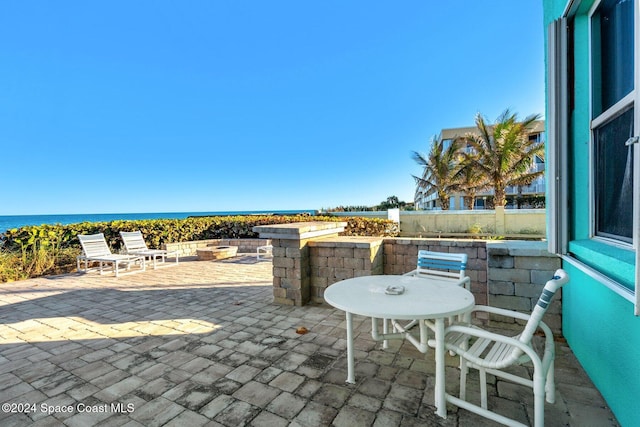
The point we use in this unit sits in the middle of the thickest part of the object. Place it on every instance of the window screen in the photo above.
(614, 177)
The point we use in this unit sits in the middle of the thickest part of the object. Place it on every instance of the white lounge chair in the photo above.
(493, 353)
(95, 249)
(134, 244)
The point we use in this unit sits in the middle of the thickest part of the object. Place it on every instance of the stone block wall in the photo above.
(310, 257)
(401, 256)
(291, 280)
(517, 273)
(339, 258)
(291, 256)
(508, 274)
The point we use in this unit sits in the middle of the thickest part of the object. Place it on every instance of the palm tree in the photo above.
(503, 152)
(391, 202)
(440, 168)
(470, 180)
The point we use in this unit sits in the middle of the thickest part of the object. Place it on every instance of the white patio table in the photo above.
(421, 299)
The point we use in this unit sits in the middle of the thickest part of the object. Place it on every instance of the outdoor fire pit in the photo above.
(216, 252)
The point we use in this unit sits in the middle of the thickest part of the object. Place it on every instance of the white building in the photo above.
(428, 200)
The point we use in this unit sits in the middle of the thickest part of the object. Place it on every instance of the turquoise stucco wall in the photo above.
(604, 335)
(580, 132)
(599, 325)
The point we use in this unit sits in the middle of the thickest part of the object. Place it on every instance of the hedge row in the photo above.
(159, 231)
(33, 251)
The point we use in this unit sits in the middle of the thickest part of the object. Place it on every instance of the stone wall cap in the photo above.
(347, 242)
(297, 230)
(520, 248)
(445, 241)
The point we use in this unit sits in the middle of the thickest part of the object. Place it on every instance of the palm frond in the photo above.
(525, 179)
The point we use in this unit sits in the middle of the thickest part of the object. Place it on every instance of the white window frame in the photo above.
(630, 100)
(636, 153)
(556, 167)
(557, 137)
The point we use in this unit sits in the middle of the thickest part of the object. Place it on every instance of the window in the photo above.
(613, 178)
(446, 143)
(612, 86)
(598, 234)
(612, 53)
(536, 137)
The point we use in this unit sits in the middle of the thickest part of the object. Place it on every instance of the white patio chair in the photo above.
(134, 244)
(493, 353)
(95, 249)
(441, 266)
(266, 251)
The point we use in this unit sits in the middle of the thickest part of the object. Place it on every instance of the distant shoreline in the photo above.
(8, 222)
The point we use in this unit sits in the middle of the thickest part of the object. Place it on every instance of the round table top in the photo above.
(422, 298)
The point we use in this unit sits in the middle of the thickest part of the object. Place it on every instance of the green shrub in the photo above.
(34, 251)
(35, 261)
(11, 267)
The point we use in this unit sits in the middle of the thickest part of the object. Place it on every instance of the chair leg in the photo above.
(463, 379)
(538, 400)
(483, 387)
(550, 386)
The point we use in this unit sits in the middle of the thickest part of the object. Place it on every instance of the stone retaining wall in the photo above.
(517, 272)
(339, 258)
(291, 272)
(309, 258)
(401, 256)
(508, 274)
(247, 246)
(291, 257)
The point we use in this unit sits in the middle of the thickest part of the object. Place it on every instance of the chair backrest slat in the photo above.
(94, 245)
(133, 241)
(441, 265)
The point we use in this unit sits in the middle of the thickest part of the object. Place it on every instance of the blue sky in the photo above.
(166, 106)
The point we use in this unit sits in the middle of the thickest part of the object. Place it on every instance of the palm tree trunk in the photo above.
(472, 201)
(444, 200)
(499, 196)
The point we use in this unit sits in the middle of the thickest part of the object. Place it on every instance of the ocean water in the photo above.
(8, 222)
